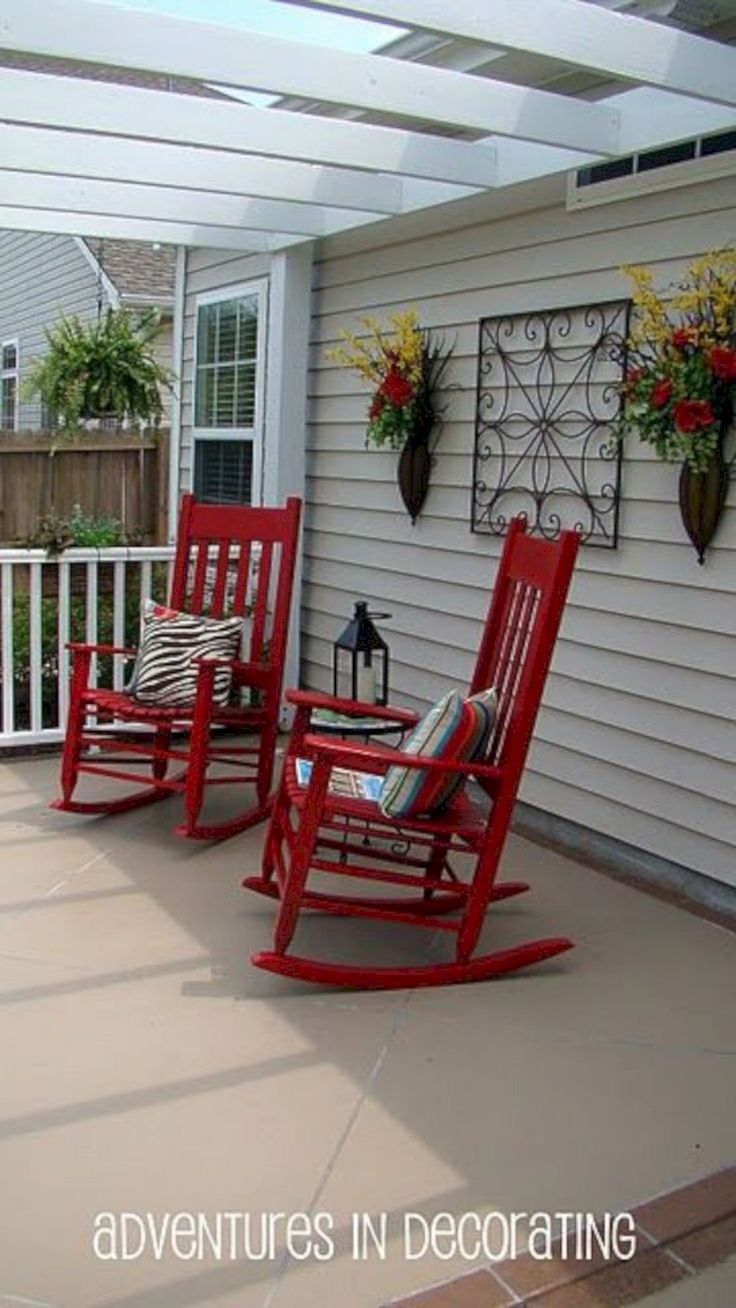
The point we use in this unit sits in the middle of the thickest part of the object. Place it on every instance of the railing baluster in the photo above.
(91, 614)
(44, 660)
(6, 621)
(64, 635)
(118, 621)
(34, 646)
(146, 574)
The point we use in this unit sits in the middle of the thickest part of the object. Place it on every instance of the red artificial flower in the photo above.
(377, 406)
(397, 389)
(633, 378)
(683, 336)
(661, 393)
(693, 415)
(723, 363)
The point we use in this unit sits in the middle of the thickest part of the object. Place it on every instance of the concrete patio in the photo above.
(149, 1069)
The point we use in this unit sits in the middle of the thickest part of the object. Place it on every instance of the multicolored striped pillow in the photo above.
(165, 671)
(454, 729)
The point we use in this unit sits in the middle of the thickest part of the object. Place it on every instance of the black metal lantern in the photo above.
(367, 657)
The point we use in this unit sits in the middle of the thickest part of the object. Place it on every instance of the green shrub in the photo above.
(56, 532)
(77, 632)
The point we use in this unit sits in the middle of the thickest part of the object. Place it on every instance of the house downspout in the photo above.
(178, 360)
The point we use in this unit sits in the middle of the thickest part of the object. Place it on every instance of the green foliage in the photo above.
(57, 532)
(77, 632)
(101, 369)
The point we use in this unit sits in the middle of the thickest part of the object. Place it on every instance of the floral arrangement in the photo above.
(405, 368)
(678, 391)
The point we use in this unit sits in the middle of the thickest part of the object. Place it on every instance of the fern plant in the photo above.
(101, 369)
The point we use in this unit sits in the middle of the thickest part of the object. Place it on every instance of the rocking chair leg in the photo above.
(75, 725)
(200, 746)
(435, 865)
(160, 759)
(273, 838)
(266, 752)
(293, 891)
(70, 754)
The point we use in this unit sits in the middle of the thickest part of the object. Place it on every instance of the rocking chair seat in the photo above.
(121, 705)
(464, 816)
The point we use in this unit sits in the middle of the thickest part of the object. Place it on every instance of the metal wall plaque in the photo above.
(547, 401)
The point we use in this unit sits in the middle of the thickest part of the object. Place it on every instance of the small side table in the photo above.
(340, 724)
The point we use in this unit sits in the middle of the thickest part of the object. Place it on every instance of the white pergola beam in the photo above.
(45, 100)
(41, 150)
(650, 118)
(586, 35)
(78, 195)
(82, 29)
(16, 218)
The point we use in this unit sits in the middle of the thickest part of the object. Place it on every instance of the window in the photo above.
(9, 385)
(227, 395)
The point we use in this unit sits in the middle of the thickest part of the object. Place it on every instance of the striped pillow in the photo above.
(454, 729)
(165, 672)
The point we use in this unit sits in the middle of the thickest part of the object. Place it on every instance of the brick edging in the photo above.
(678, 1234)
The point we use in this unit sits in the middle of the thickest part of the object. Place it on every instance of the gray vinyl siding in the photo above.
(206, 270)
(41, 277)
(636, 735)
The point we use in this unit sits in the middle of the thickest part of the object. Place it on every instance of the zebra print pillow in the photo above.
(165, 671)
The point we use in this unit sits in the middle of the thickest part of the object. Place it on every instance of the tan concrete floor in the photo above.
(147, 1068)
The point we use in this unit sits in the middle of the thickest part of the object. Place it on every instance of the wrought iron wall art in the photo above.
(547, 400)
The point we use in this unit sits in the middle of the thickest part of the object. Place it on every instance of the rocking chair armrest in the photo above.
(251, 674)
(354, 754)
(353, 708)
(80, 647)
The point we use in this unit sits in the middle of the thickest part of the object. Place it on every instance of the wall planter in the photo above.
(406, 368)
(703, 495)
(679, 393)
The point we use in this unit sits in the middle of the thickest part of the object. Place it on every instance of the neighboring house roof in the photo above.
(138, 270)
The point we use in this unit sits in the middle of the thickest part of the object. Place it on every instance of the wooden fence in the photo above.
(109, 474)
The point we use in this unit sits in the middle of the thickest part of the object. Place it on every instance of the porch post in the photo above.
(284, 437)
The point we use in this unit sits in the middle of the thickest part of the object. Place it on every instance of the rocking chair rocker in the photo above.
(233, 560)
(314, 829)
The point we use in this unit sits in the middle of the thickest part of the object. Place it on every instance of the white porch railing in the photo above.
(84, 594)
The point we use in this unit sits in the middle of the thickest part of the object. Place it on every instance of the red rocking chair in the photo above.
(314, 829)
(233, 560)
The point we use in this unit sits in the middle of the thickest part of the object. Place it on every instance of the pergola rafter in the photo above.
(99, 157)
(36, 150)
(586, 35)
(111, 109)
(81, 29)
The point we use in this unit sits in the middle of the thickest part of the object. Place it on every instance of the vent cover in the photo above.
(656, 169)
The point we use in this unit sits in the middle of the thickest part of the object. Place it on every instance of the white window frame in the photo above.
(7, 373)
(259, 288)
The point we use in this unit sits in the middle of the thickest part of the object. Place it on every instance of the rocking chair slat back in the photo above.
(260, 603)
(519, 637)
(222, 571)
(230, 562)
(242, 574)
(201, 551)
